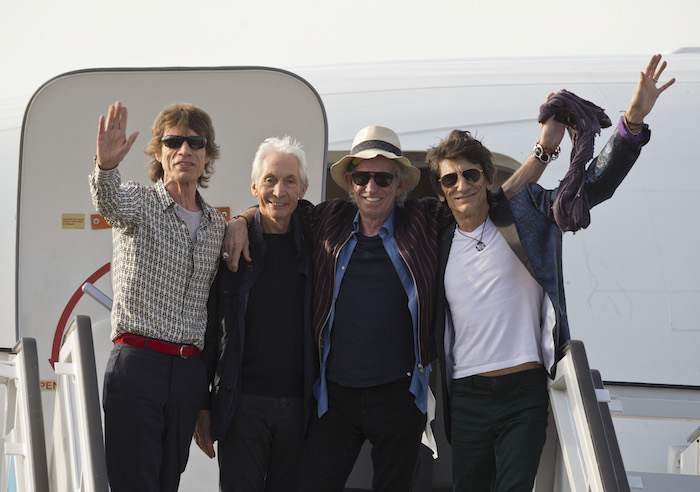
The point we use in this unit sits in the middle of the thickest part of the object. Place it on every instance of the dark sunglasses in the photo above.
(361, 178)
(471, 175)
(176, 141)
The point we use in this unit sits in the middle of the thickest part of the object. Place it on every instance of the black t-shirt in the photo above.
(372, 333)
(274, 337)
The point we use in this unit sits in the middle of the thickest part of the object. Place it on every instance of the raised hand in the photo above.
(112, 144)
(646, 93)
(551, 131)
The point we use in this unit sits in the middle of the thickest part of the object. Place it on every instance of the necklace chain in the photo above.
(479, 243)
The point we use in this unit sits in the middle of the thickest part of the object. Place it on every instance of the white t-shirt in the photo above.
(495, 304)
(192, 219)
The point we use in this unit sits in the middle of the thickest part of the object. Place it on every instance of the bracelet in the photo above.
(545, 155)
(247, 224)
(632, 126)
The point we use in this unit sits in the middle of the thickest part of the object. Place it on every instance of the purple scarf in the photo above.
(583, 121)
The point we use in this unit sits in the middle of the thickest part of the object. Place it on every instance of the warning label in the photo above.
(73, 221)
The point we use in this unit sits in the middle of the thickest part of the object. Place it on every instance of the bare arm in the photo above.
(551, 133)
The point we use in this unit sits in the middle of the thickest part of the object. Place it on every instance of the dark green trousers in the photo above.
(498, 430)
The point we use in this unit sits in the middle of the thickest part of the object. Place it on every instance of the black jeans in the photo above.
(262, 449)
(386, 415)
(498, 430)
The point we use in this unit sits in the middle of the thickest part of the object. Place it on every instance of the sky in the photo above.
(45, 38)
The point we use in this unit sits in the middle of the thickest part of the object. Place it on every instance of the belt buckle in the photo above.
(182, 347)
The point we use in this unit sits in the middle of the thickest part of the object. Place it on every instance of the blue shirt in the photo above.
(420, 375)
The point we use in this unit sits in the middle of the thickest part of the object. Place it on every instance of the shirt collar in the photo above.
(386, 229)
(167, 201)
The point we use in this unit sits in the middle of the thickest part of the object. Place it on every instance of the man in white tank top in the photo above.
(500, 296)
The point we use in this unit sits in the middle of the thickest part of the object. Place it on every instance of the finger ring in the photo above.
(224, 255)
(655, 80)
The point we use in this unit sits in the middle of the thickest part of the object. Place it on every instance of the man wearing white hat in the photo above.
(375, 263)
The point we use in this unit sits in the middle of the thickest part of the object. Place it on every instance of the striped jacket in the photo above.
(417, 225)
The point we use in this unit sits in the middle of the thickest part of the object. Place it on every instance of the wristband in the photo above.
(544, 155)
(247, 224)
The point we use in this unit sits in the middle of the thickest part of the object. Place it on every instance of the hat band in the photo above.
(376, 144)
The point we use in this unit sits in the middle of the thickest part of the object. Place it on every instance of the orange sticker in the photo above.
(99, 222)
(73, 221)
(225, 211)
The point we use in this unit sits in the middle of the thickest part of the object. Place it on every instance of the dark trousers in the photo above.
(151, 401)
(262, 449)
(386, 415)
(498, 431)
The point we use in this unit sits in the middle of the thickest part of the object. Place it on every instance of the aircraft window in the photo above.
(505, 167)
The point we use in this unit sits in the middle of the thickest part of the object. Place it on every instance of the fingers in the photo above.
(651, 66)
(667, 85)
(246, 252)
(654, 71)
(130, 141)
(658, 72)
(232, 261)
(206, 445)
(116, 117)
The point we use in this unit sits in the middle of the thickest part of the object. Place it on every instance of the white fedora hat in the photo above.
(371, 142)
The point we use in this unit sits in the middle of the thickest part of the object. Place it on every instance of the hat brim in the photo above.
(340, 168)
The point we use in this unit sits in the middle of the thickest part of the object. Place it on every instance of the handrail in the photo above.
(23, 426)
(589, 449)
(102, 298)
(77, 449)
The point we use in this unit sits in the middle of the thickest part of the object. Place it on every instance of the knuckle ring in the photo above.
(224, 255)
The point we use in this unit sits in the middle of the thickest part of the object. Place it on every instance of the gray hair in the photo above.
(282, 146)
(402, 172)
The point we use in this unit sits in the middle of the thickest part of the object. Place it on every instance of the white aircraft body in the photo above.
(632, 277)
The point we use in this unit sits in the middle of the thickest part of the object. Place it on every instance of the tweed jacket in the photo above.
(225, 336)
(526, 222)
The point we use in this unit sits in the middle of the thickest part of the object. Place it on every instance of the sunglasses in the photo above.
(361, 178)
(471, 175)
(176, 141)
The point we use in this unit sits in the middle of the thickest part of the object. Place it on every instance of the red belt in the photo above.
(183, 351)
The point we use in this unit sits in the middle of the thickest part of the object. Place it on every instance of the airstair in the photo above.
(75, 458)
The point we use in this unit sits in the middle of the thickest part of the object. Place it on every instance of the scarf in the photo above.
(583, 121)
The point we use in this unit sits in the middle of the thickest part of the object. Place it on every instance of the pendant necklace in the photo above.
(479, 243)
